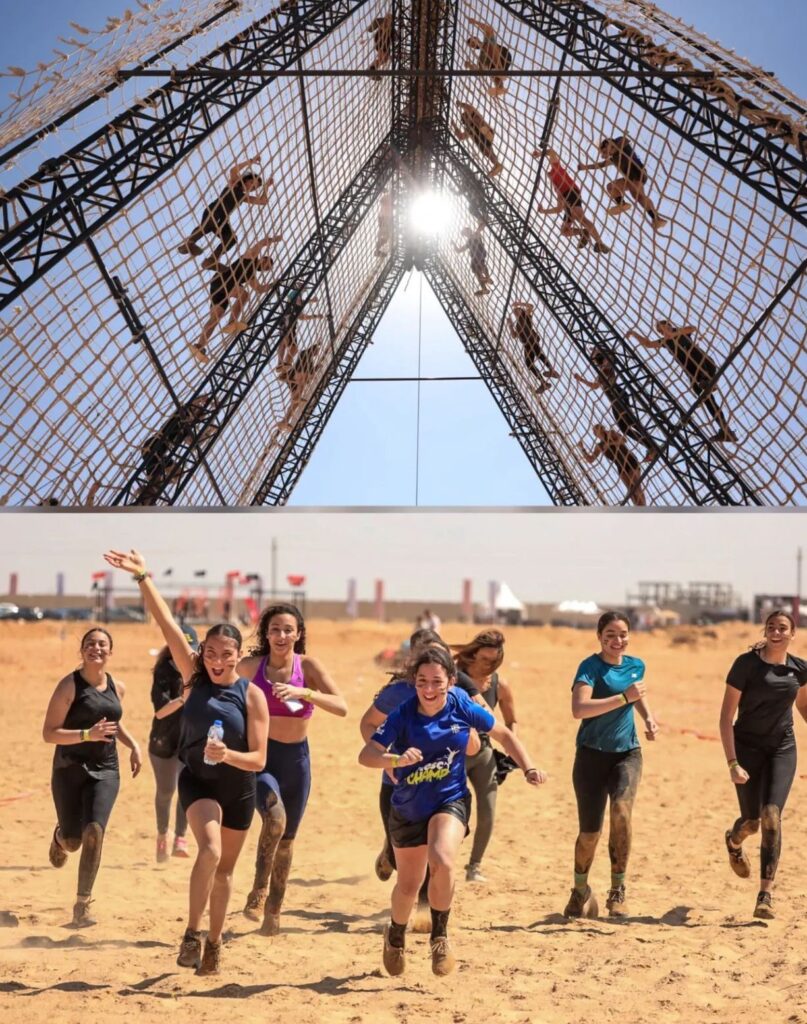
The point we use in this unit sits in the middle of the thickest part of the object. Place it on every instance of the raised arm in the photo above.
(584, 705)
(644, 340)
(598, 166)
(594, 454)
(181, 652)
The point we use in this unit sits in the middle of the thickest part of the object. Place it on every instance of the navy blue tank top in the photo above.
(89, 706)
(206, 703)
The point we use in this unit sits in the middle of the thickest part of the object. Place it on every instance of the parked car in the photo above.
(8, 610)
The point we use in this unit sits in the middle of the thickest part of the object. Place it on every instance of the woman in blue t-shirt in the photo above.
(760, 746)
(424, 742)
(608, 763)
(217, 783)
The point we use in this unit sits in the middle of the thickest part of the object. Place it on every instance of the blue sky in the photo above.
(371, 452)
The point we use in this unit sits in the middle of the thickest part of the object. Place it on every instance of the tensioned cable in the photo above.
(417, 418)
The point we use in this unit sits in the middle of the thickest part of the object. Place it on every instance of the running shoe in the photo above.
(190, 952)
(738, 859)
(764, 907)
(162, 849)
(57, 854)
(582, 904)
(383, 864)
(271, 923)
(443, 960)
(394, 956)
(180, 847)
(616, 904)
(473, 873)
(81, 914)
(211, 958)
(253, 908)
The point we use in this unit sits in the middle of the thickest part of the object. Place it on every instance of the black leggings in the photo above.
(599, 775)
(771, 776)
(80, 799)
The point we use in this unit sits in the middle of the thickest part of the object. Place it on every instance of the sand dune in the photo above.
(691, 953)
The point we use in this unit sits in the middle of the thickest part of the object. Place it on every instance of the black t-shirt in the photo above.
(166, 686)
(767, 694)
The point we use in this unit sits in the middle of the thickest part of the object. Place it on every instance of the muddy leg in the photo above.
(277, 887)
(273, 826)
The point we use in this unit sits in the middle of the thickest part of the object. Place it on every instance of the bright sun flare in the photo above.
(428, 213)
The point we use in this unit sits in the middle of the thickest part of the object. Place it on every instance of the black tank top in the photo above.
(90, 706)
(206, 703)
(491, 695)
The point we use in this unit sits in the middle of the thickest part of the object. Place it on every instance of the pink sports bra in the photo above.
(280, 708)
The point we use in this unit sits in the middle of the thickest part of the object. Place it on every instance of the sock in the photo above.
(617, 879)
(439, 923)
(396, 934)
(581, 881)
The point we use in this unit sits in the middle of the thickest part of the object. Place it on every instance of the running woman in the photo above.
(83, 719)
(481, 659)
(293, 684)
(608, 763)
(219, 797)
(166, 686)
(424, 741)
(762, 686)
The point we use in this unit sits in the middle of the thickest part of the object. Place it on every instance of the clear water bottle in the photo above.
(215, 732)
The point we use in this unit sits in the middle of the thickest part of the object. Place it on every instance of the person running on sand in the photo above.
(619, 153)
(217, 783)
(423, 741)
(608, 762)
(762, 687)
(243, 186)
(294, 684)
(83, 719)
(612, 446)
(570, 204)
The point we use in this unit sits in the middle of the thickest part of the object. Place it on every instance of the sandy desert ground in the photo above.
(692, 952)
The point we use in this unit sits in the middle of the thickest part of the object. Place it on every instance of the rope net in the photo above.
(681, 258)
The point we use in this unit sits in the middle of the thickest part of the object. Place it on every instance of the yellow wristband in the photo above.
(85, 735)
(306, 693)
(624, 697)
(395, 759)
(734, 764)
(138, 577)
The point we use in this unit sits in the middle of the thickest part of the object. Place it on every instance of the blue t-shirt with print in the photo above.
(615, 731)
(439, 778)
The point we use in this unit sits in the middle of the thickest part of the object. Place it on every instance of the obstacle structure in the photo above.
(186, 290)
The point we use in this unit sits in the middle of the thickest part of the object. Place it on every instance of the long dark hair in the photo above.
(464, 654)
(225, 629)
(420, 640)
(261, 648)
(436, 656)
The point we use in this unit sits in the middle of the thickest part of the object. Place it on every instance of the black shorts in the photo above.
(81, 798)
(416, 833)
(771, 774)
(235, 796)
(571, 198)
(599, 775)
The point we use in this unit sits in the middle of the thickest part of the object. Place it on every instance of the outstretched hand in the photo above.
(132, 561)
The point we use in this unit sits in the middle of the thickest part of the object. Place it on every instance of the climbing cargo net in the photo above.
(170, 347)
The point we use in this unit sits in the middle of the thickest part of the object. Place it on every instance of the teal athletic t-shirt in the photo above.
(615, 731)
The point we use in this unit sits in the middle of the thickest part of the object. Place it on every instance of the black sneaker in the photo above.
(616, 904)
(738, 858)
(582, 904)
(764, 907)
(190, 952)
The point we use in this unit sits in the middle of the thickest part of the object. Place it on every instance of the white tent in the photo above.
(506, 600)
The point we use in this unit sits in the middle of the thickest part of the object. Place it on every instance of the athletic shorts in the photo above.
(81, 798)
(235, 796)
(416, 833)
(599, 775)
(571, 198)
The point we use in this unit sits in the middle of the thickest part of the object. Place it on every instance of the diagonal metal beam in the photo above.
(543, 456)
(293, 458)
(705, 475)
(231, 378)
(768, 166)
(110, 168)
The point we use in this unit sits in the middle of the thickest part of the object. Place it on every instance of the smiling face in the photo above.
(220, 655)
(614, 641)
(96, 647)
(282, 633)
(431, 683)
(779, 631)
